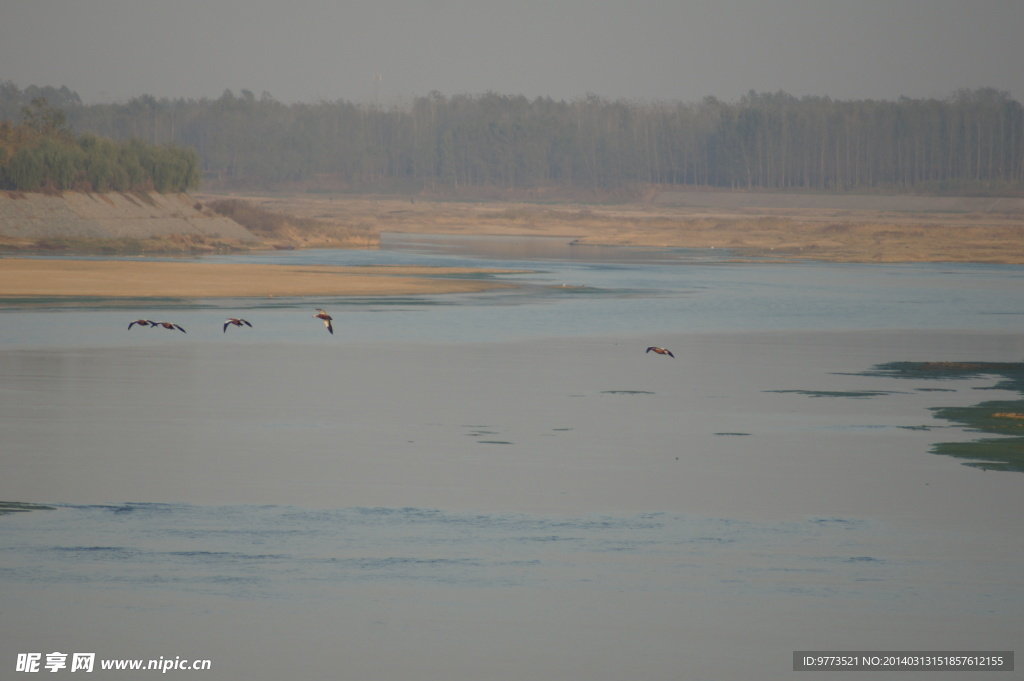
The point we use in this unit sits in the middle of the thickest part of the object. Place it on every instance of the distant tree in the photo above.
(972, 141)
(45, 119)
(42, 153)
(25, 170)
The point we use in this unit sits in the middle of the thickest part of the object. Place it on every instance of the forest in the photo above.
(969, 143)
(40, 153)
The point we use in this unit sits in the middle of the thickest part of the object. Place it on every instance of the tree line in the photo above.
(42, 154)
(969, 142)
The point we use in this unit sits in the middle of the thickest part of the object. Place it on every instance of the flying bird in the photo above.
(661, 351)
(236, 321)
(140, 322)
(167, 325)
(320, 314)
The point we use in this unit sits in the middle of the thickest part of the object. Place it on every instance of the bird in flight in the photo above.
(235, 321)
(661, 351)
(320, 314)
(141, 322)
(167, 325)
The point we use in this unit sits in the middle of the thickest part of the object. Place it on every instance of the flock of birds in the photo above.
(231, 321)
(150, 322)
(320, 314)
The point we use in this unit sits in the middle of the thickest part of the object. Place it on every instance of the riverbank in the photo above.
(781, 226)
(115, 222)
(23, 278)
(823, 227)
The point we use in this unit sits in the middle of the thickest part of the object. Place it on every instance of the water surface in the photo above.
(504, 485)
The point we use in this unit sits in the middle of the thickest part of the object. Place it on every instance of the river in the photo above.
(505, 485)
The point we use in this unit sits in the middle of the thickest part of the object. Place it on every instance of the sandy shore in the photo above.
(789, 227)
(142, 279)
(777, 226)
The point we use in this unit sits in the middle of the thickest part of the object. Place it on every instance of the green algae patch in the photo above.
(855, 394)
(7, 507)
(1011, 373)
(1003, 418)
(991, 454)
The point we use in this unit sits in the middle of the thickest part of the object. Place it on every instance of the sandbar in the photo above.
(159, 279)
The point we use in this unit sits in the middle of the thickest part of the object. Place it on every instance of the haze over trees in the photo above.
(42, 154)
(971, 142)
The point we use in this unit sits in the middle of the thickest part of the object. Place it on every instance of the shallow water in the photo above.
(504, 485)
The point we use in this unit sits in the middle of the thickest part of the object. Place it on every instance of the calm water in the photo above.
(504, 485)
(599, 291)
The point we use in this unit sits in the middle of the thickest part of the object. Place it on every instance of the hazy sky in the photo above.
(308, 50)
